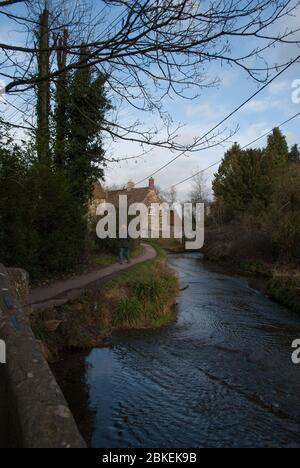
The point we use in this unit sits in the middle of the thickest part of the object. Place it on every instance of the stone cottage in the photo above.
(146, 195)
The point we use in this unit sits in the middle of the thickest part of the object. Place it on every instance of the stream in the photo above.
(221, 376)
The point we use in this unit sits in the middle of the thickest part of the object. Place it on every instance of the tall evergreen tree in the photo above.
(294, 154)
(87, 106)
(246, 179)
(277, 151)
(240, 182)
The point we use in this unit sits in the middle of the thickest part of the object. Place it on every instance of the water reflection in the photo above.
(221, 376)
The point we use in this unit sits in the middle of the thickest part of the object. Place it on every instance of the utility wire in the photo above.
(225, 119)
(244, 147)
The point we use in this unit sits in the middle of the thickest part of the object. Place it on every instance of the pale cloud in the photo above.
(228, 78)
(182, 168)
(290, 50)
(205, 110)
(185, 166)
(280, 87)
(262, 105)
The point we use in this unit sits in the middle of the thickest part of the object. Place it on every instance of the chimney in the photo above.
(130, 186)
(151, 183)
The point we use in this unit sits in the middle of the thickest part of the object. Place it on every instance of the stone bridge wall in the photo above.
(33, 410)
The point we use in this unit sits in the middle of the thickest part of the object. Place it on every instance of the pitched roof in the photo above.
(135, 195)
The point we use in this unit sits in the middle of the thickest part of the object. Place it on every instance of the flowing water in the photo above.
(221, 376)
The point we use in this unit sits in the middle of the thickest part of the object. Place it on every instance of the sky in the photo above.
(271, 107)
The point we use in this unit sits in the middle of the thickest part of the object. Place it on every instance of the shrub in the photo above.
(42, 227)
(58, 220)
(284, 287)
(282, 221)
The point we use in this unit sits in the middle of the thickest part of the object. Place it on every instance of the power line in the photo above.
(267, 133)
(111, 26)
(244, 147)
(225, 119)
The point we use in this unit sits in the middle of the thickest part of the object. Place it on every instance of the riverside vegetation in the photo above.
(142, 297)
(46, 181)
(254, 223)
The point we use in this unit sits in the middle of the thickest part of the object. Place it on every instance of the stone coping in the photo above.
(34, 409)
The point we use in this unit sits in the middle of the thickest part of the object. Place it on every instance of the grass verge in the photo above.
(142, 297)
(170, 245)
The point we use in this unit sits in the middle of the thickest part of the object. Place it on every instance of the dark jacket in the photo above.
(124, 243)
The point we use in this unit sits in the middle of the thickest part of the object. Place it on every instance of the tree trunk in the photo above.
(43, 99)
(61, 100)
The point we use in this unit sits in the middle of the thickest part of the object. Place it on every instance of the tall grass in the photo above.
(141, 297)
(148, 293)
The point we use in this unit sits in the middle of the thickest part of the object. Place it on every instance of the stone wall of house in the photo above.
(33, 410)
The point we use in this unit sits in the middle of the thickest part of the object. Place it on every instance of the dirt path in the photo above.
(60, 292)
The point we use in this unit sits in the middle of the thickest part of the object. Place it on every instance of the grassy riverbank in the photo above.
(170, 245)
(142, 297)
(238, 253)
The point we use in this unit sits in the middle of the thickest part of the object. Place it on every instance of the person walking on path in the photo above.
(124, 249)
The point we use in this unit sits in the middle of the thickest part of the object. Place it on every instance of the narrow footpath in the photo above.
(60, 292)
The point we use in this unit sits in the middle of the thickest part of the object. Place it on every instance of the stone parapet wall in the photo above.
(33, 410)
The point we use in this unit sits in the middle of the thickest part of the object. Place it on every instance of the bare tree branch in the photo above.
(150, 50)
(4, 3)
